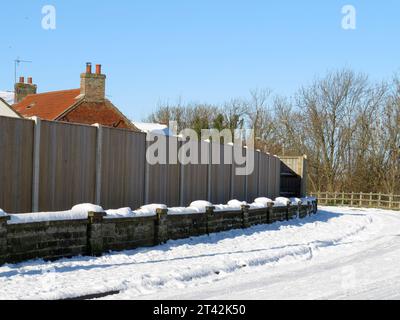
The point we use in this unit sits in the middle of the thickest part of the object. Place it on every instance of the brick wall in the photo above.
(98, 234)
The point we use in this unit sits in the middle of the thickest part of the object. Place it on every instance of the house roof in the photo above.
(7, 96)
(154, 128)
(49, 105)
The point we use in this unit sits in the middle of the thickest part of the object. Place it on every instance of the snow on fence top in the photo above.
(80, 212)
(2, 213)
(145, 211)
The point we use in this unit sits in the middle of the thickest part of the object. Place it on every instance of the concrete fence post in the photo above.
(95, 233)
(161, 226)
(3, 239)
(209, 219)
(99, 152)
(36, 164)
(245, 216)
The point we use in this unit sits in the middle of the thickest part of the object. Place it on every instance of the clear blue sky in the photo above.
(200, 50)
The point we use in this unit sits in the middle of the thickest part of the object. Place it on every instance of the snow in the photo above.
(296, 201)
(263, 201)
(7, 96)
(339, 253)
(145, 211)
(308, 199)
(201, 205)
(183, 210)
(2, 213)
(233, 205)
(86, 207)
(79, 212)
(153, 128)
(282, 202)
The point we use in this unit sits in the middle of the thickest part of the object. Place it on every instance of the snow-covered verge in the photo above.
(81, 211)
(337, 253)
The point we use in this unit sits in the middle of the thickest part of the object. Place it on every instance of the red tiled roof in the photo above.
(49, 105)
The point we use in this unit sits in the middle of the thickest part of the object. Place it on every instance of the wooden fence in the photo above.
(52, 166)
(369, 200)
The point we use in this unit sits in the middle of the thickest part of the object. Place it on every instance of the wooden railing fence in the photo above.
(353, 199)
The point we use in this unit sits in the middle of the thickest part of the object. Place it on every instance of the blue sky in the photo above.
(202, 51)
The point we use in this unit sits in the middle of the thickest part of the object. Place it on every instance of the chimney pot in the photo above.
(89, 67)
(23, 89)
(93, 86)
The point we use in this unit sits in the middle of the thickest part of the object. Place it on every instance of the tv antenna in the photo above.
(17, 63)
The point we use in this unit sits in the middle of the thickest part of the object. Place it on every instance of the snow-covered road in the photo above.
(340, 253)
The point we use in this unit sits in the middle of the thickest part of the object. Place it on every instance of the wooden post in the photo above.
(334, 198)
(370, 199)
(391, 201)
(342, 198)
(352, 198)
(380, 200)
(361, 198)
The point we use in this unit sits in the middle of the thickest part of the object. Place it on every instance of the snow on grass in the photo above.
(205, 261)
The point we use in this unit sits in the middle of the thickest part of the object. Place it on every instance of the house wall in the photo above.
(97, 112)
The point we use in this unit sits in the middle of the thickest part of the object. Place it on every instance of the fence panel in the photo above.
(163, 180)
(67, 171)
(220, 174)
(194, 177)
(264, 177)
(239, 181)
(253, 179)
(274, 177)
(122, 168)
(277, 176)
(16, 158)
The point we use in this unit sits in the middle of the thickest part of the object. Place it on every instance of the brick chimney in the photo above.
(23, 89)
(93, 85)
